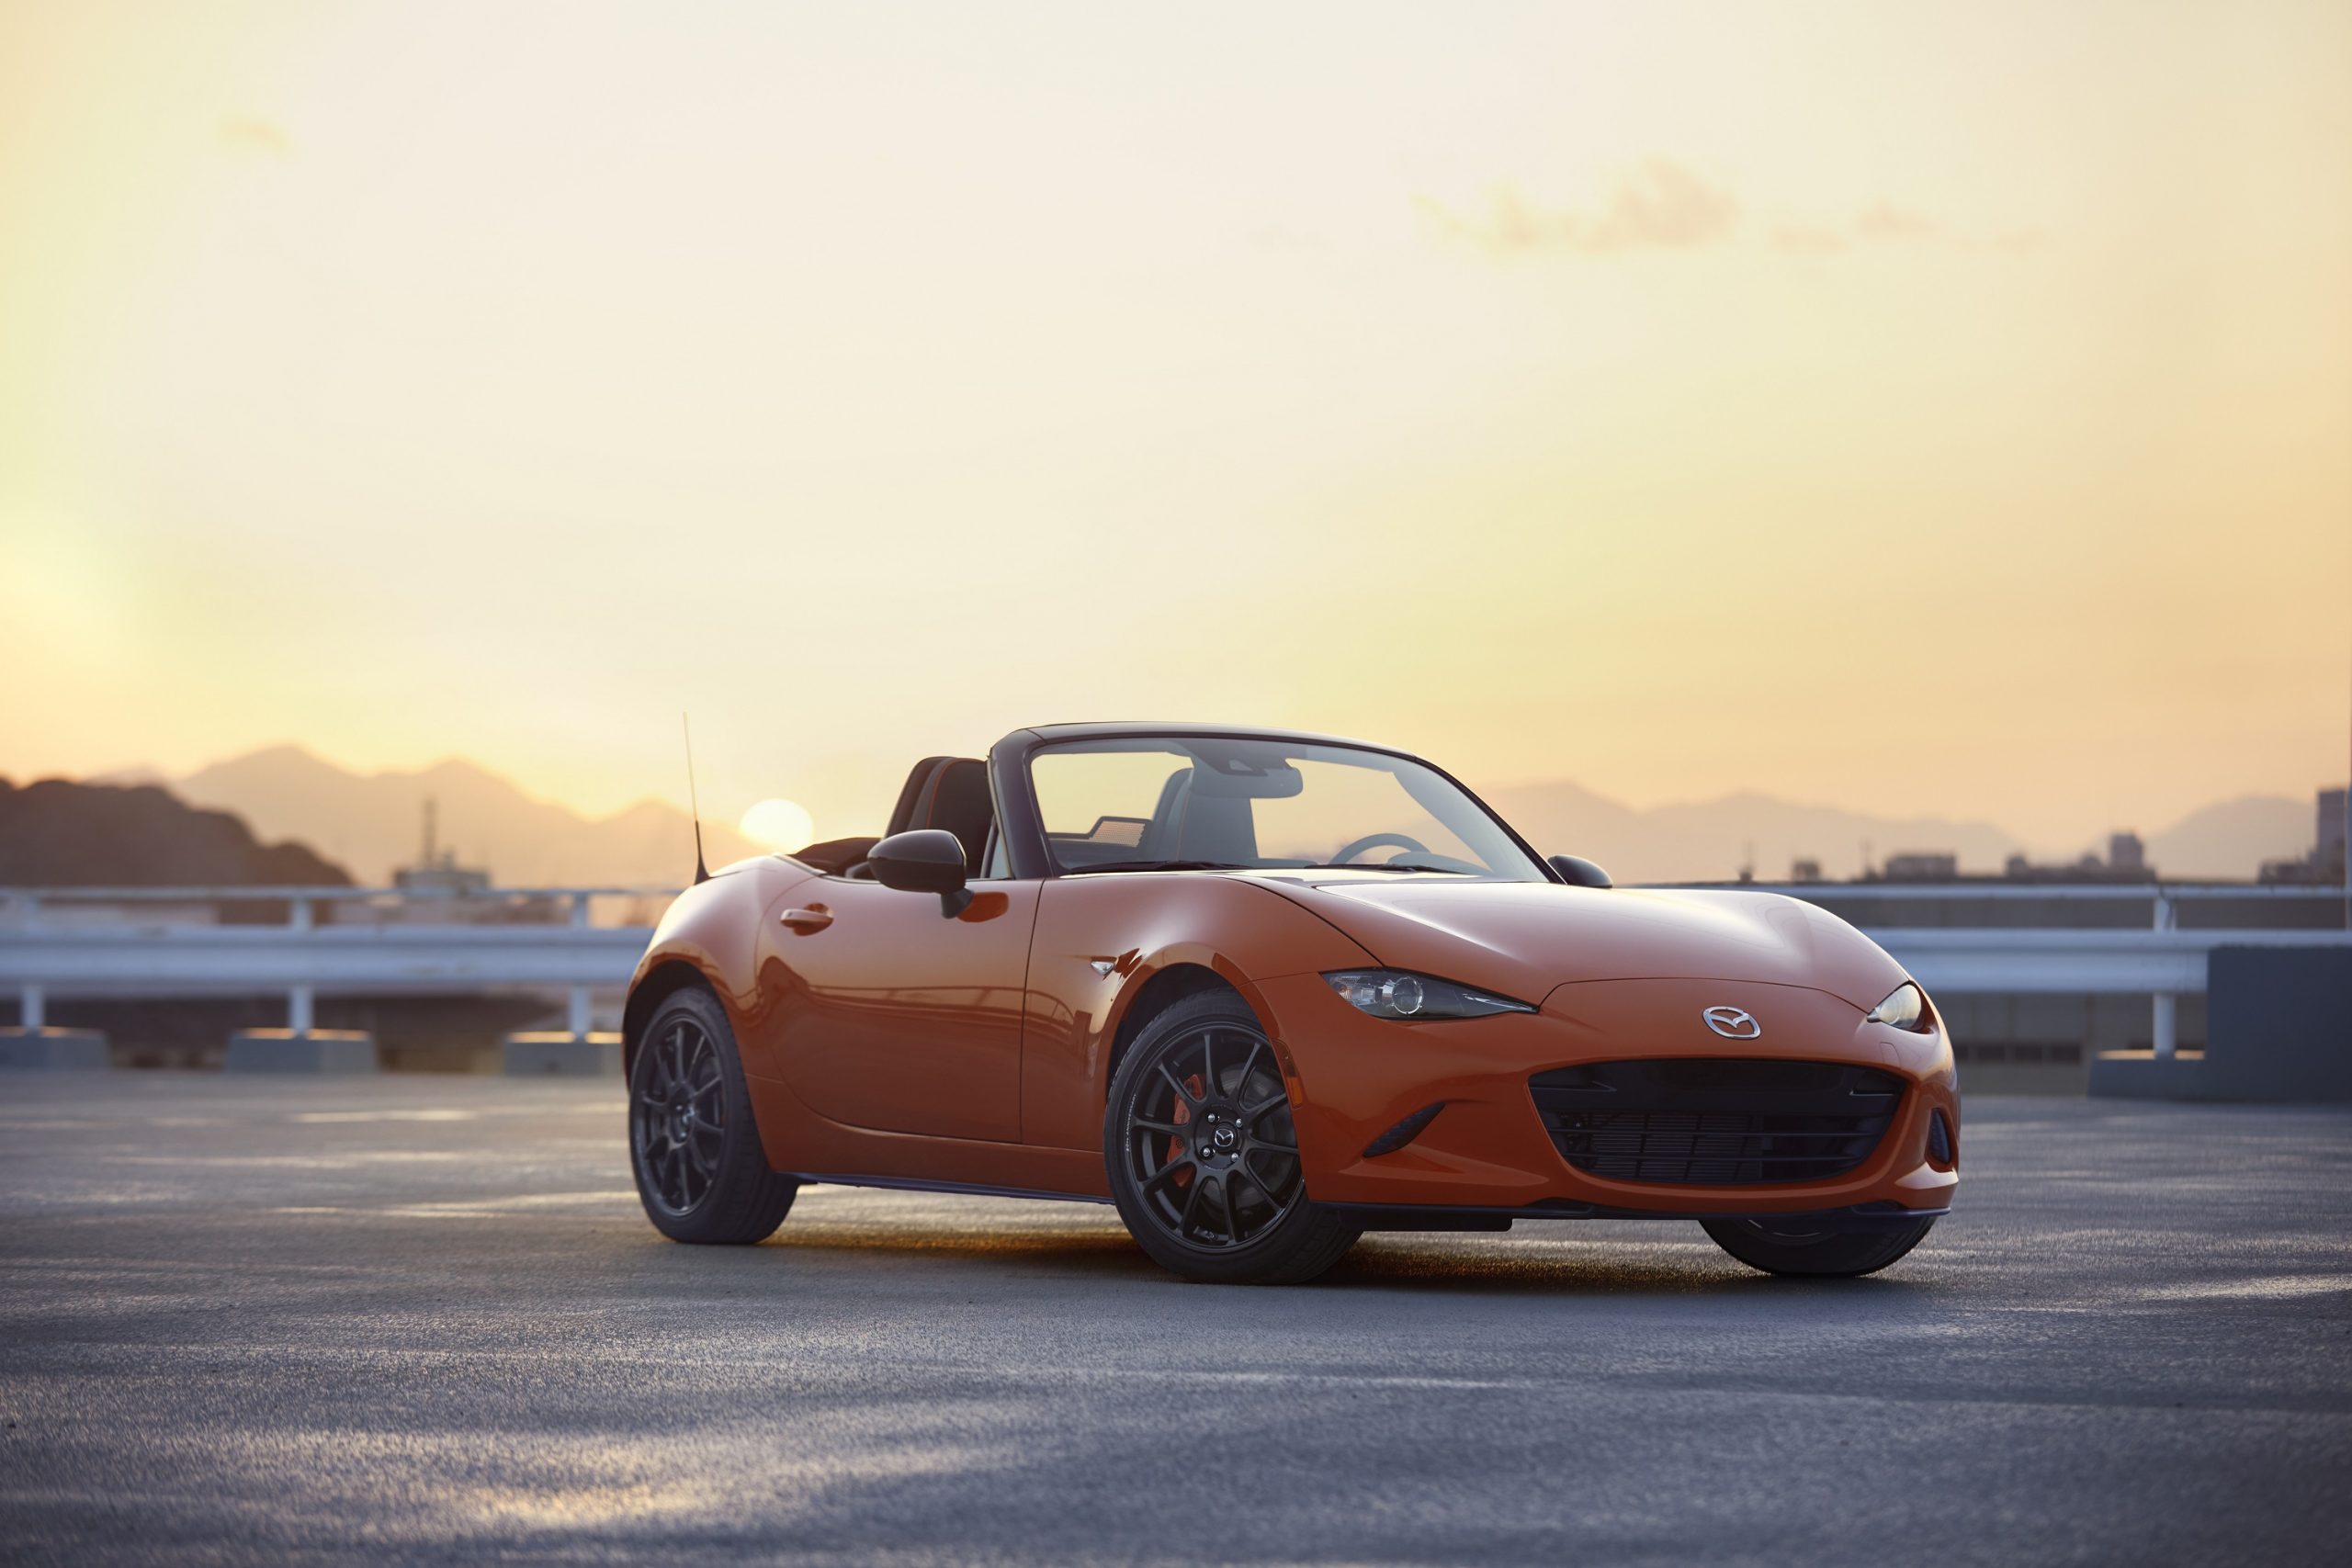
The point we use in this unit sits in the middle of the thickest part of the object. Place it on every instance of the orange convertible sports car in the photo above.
(1266, 992)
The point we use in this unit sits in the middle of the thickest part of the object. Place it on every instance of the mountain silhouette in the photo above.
(1711, 839)
(370, 822)
(55, 833)
(373, 822)
(2231, 838)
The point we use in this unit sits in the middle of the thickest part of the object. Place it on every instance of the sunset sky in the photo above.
(1910, 408)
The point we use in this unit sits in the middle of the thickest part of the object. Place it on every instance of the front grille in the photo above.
(1716, 1121)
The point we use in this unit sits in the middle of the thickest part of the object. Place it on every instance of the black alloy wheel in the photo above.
(693, 1147)
(678, 1117)
(1211, 1145)
(1202, 1154)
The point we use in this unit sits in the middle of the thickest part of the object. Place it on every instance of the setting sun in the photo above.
(777, 825)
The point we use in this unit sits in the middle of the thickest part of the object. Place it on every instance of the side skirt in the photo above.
(959, 1189)
(1380, 1217)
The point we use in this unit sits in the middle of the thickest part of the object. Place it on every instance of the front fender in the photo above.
(709, 935)
(1158, 935)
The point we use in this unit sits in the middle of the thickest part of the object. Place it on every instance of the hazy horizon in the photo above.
(1935, 411)
(370, 832)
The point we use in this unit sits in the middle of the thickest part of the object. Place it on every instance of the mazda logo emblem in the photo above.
(1733, 1023)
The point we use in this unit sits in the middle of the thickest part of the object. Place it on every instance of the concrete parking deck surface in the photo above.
(422, 1319)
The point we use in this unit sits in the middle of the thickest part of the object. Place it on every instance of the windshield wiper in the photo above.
(1158, 865)
(1440, 870)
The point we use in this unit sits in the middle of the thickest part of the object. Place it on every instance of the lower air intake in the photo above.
(1403, 1132)
(1716, 1121)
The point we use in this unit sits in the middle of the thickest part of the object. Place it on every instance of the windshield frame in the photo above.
(1022, 825)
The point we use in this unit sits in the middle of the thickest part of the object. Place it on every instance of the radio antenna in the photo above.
(702, 872)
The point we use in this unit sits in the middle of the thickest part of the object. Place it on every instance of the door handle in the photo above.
(815, 918)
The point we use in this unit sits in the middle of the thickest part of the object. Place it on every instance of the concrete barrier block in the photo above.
(2141, 1074)
(536, 1054)
(54, 1050)
(2274, 1032)
(2278, 1025)
(283, 1051)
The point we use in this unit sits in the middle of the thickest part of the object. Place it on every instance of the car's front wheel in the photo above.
(1787, 1248)
(693, 1144)
(1203, 1156)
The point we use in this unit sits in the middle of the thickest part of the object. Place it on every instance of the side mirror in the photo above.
(922, 860)
(1578, 871)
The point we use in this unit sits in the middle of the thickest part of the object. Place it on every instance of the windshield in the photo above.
(1145, 803)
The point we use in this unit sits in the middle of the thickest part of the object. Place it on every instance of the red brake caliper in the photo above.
(1176, 1145)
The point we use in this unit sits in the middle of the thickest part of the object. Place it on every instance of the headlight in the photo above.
(1904, 1007)
(1389, 993)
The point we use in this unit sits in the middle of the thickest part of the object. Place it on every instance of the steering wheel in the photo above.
(1402, 840)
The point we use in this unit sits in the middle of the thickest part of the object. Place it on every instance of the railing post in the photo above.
(298, 998)
(32, 1011)
(2166, 1031)
(577, 1016)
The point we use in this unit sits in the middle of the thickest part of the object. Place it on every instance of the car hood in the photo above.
(1525, 937)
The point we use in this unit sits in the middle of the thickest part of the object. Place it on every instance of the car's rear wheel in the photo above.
(1203, 1155)
(693, 1144)
(1790, 1248)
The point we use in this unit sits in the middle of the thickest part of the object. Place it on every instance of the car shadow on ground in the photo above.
(1426, 1264)
(1392, 1262)
(1085, 1250)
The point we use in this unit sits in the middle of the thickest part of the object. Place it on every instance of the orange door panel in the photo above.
(883, 1013)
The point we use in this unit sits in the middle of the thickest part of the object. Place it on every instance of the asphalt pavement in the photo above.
(422, 1319)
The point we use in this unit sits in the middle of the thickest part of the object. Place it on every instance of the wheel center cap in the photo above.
(1222, 1137)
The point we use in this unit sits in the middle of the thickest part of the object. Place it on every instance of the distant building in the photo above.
(436, 873)
(2324, 865)
(437, 890)
(1805, 871)
(2127, 860)
(2126, 853)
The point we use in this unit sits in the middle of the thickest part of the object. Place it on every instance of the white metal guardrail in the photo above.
(2094, 892)
(171, 960)
(2048, 960)
(176, 957)
(302, 958)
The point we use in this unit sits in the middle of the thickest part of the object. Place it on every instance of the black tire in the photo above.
(1800, 1254)
(693, 1144)
(1218, 1209)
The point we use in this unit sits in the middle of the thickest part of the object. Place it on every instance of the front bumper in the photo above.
(1355, 1078)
